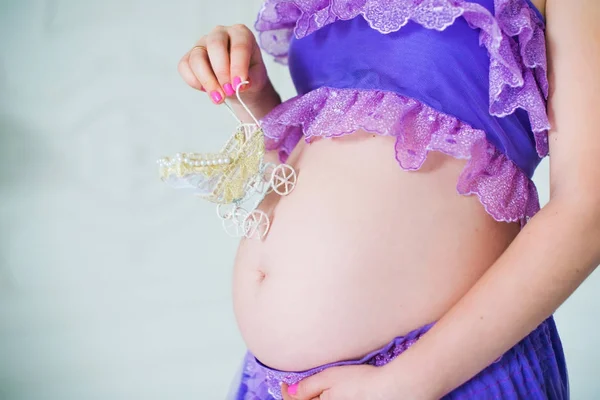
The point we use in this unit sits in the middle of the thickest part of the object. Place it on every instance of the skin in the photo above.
(226, 53)
(542, 267)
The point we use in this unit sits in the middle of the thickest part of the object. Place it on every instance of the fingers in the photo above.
(200, 66)
(217, 44)
(185, 70)
(286, 395)
(326, 395)
(220, 61)
(201, 62)
(313, 387)
(284, 392)
(242, 47)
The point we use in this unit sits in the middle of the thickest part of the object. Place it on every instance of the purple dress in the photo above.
(466, 78)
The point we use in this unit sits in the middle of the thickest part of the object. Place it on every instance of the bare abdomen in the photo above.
(359, 253)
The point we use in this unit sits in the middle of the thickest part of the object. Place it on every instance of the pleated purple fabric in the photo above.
(532, 370)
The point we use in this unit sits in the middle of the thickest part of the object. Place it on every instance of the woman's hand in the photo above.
(219, 61)
(360, 382)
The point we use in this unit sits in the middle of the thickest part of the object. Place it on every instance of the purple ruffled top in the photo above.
(466, 78)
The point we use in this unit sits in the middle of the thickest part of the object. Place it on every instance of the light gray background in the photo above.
(113, 286)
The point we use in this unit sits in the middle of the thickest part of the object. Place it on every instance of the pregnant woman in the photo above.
(412, 261)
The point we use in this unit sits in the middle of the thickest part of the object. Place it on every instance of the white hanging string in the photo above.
(237, 93)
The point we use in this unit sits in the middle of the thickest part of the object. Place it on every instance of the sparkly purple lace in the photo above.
(264, 383)
(515, 41)
(504, 190)
(514, 38)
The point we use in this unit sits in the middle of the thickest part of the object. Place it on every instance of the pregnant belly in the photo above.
(359, 253)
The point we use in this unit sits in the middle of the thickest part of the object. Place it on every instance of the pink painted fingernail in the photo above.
(293, 389)
(236, 81)
(216, 97)
(228, 89)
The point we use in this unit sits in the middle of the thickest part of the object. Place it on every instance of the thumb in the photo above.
(308, 388)
(284, 392)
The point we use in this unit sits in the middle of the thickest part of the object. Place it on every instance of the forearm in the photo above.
(260, 104)
(547, 261)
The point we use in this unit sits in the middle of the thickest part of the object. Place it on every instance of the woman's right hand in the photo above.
(219, 61)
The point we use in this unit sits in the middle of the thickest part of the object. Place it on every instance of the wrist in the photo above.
(408, 381)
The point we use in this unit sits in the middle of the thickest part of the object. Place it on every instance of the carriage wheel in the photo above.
(234, 223)
(256, 225)
(225, 211)
(267, 176)
(283, 179)
(257, 184)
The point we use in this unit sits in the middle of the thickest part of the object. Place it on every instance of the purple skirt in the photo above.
(534, 369)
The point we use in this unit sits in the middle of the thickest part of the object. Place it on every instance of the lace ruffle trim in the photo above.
(504, 190)
(514, 38)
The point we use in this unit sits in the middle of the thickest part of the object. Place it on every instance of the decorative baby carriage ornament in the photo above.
(232, 177)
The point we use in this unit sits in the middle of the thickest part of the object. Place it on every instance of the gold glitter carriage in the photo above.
(233, 178)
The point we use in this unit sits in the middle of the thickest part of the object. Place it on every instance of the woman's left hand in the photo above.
(360, 382)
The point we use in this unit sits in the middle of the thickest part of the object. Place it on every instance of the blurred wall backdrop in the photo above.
(113, 286)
